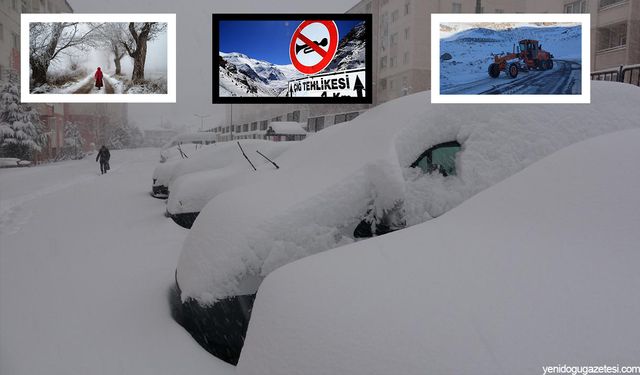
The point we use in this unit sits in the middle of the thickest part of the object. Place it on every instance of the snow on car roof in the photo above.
(538, 270)
(287, 128)
(326, 185)
(218, 155)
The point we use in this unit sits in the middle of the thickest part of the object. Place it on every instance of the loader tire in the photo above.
(513, 70)
(494, 70)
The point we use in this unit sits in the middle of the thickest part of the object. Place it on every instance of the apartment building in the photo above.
(401, 62)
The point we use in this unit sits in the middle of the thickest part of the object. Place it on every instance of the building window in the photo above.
(499, 10)
(393, 61)
(395, 15)
(340, 118)
(351, 115)
(390, 84)
(394, 39)
(293, 116)
(612, 36)
(1, 31)
(406, 34)
(254, 126)
(405, 59)
(606, 3)
(383, 62)
(238, 128)
(15, 41)
(456, 8)
(576, 7)
(14, 5)
(277, 118)
(245, 128)
(383, 84)
(407, 7)
(263, 124)
(315, 124)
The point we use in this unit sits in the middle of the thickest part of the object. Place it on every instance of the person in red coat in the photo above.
(98, 77)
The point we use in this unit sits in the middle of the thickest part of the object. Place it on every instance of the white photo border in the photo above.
(583, 19)
(168, 18)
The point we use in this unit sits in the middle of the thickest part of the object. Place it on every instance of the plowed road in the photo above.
(564, 78)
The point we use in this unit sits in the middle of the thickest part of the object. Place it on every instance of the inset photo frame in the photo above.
(510, 58)
(98, 58)
(292, 58)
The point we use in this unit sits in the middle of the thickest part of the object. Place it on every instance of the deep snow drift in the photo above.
(472, 50)
(539, 270)
(86, 262)
(313, 203)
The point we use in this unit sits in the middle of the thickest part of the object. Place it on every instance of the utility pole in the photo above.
(231, 122)
(202, 117)
(478, 6)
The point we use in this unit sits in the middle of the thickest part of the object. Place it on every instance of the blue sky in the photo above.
(265, 40)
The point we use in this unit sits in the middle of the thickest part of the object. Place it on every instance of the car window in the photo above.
(441, 158)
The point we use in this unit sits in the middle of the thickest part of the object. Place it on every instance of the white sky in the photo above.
(193, 48)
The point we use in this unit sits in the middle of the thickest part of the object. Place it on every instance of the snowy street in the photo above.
(564, 78)
(86, 263)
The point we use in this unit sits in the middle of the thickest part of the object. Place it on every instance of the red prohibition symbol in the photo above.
(303, 44)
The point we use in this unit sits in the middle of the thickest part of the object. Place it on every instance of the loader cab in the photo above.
(529, 47)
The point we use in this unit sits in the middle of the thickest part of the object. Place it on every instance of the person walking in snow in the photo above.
(98, 77)
(104, 156)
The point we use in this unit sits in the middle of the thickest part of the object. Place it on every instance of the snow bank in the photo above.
(541, 269)
(325, 186)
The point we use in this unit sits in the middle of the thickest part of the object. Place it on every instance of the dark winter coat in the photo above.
(98, 77)
(104, 155)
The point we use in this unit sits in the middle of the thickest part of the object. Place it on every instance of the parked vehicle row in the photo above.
(397, 165)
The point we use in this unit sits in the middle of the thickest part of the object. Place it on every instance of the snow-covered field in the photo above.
(86, 263)
(472, 50)
(539, 270)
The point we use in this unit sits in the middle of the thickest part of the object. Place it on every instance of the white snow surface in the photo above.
(86, 262)
(190, 192)
(326, 185)
(472, 50)
(214, 156)
(266, 78)
(539, 270)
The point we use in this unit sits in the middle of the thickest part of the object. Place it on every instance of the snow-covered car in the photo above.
(538, 270)
(14, 163)
(214, 156)
(180, 146)
(191, 192)
(398, 164)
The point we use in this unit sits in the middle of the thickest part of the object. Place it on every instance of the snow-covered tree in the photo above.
(73, 142)
(21, 131)
(48, 41)
(136, 44)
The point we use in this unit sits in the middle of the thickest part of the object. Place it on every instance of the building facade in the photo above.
(401, 61)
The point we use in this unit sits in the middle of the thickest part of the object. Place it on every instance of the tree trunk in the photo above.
(118, 65)
(39, 74)
(139, 60)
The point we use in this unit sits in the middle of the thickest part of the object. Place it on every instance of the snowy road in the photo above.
(564, 78)
(90, 88)
(86, 262)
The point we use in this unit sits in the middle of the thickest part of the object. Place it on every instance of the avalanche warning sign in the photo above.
(313, 45)
(347, 83)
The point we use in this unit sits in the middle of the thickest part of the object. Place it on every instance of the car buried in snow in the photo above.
(534, 270)
(399, 164)
(212, 157)
(191, 192)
